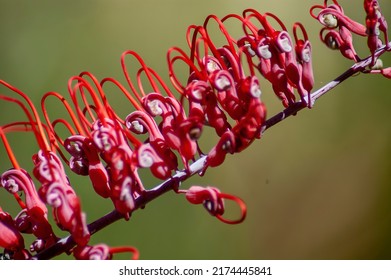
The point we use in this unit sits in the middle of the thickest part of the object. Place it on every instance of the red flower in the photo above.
(340, 27)
(213, 201)
(222, 92)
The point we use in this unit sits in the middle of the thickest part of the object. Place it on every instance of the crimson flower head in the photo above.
(161, 133)
(339, 28)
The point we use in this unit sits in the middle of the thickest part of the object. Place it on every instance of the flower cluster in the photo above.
(338, 31)
(222, 92)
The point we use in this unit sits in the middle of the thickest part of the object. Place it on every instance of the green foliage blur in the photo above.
(317, 186)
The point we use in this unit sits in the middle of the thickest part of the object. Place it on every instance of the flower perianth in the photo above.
(213, 201)
(10, 238)
(140, 122)
(57, 192)
(33, 218)
(178, 131)
(338, 35)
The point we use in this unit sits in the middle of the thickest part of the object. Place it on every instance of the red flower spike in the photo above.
(333, 16)
(213, 201)
(34, 217)
(102, 252)
(219, 89)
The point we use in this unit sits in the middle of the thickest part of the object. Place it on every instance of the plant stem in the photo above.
(66, 244)
(356, 68)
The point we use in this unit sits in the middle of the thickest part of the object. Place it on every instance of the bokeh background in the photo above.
(317, 186)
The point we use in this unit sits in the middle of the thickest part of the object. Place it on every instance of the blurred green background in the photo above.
(317, 186)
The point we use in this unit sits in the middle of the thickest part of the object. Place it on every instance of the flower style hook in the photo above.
(213, 201)
(102, 252)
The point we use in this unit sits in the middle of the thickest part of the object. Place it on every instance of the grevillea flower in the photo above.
(33, 218)
(213, 201)
(338, 30)
(11, 239)
(222, 92)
